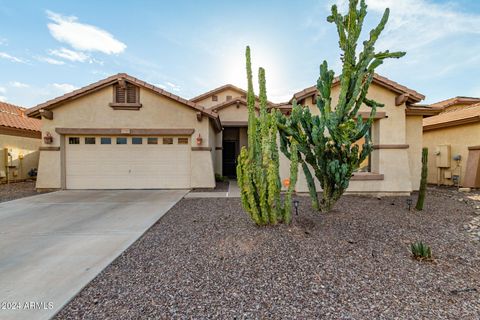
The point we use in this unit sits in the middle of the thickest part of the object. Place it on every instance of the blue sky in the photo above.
(48, 48)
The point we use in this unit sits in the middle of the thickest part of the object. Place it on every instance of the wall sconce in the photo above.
(48, 139)
(286, 183)
(199, 139)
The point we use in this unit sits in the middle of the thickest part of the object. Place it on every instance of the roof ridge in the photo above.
(110, 80)
(386, 81)
(215, 90)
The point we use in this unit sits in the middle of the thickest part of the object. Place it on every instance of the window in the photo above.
(121, 140)
(229, 98)
(167, 140)
(125, 92)
(214, 98)
(105, 140)
(74, 140)
(366, 165)
(152, 140)
(137, 140)
(182, 140)
(90, 140)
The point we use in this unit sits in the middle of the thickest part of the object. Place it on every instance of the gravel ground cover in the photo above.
(17, 190)
(205, 259)
(221, 186)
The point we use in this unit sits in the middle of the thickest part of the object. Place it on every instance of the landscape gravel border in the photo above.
(205, 259)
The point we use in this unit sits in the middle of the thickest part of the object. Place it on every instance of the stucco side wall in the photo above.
(202, 170)
(232, 113)
(49, 170)
(390, 164)
(459, 138)
(19, 147)
(415, 142)
(93, 111)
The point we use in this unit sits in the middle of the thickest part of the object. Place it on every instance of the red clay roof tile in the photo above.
(14, 117)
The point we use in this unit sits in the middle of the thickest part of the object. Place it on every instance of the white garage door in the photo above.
(127, 162)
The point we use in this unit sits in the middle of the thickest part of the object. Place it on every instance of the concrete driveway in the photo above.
(52, 245)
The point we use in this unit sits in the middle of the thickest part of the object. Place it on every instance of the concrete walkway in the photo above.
(233, 192)
(52, 245)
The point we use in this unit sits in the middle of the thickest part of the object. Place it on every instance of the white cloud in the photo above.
(63, 87)
(3, 90)
(17, 84)
(4, 55)
(83, 37)
(68, 54)
(51, 61)
(418, 23)
(3, 98)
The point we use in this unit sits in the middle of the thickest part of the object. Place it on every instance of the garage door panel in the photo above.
(127, 166)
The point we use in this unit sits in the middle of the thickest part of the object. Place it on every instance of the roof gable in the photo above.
(217, 91)
(54, 103)
(411, 95)
(454, 101)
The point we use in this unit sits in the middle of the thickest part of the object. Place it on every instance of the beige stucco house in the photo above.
(19, 143)
(453, 140)
(122, 133)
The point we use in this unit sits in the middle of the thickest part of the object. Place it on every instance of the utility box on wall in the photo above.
(443, 156)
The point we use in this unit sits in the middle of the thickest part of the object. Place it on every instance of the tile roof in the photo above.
(465, 115)
(454, 101)
(14, 117)
(217, 90)
(243, 101)
(413, 96)
(50, 104)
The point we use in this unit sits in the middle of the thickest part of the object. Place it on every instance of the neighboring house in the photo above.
(20, 138)
(453, 140)
(454, 103)
(122, 133)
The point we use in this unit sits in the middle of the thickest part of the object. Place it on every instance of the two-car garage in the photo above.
(123, 133)
(127, 162)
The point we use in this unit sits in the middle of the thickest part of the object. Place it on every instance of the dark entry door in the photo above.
(230, 155)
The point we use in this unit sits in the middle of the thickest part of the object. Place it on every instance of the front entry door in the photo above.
(230, 155)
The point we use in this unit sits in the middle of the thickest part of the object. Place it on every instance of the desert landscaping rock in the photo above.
(17, 190)
(206, 259)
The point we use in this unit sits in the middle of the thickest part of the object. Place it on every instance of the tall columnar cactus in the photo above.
(423, 180)
(258, 165)
(328, 142)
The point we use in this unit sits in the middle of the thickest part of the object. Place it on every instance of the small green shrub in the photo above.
(220, 178)
(421, 251)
